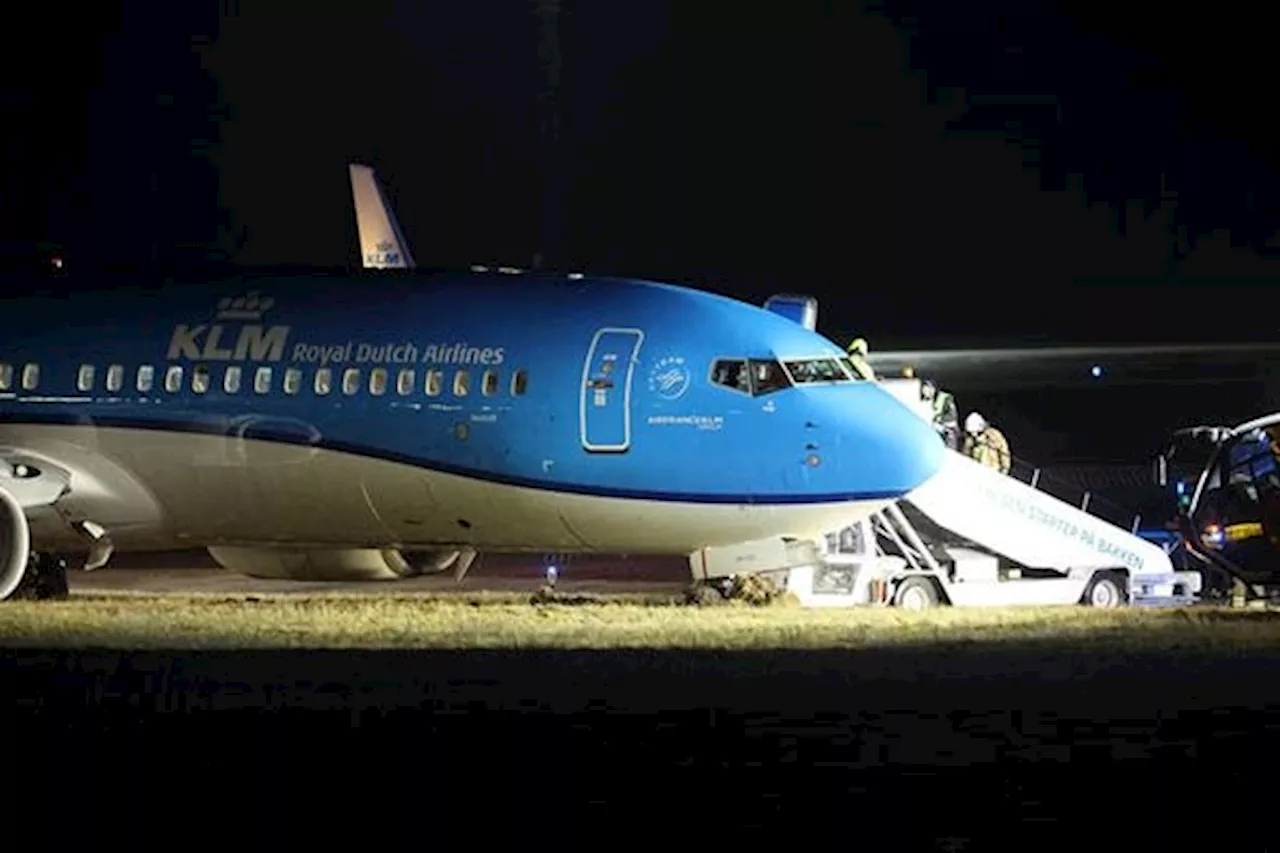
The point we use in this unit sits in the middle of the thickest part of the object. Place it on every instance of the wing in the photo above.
(1030, 367)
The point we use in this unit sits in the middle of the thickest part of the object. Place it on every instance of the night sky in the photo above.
(936, 173)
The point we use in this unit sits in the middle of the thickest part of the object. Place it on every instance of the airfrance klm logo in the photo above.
(669, 378)
(252, 342)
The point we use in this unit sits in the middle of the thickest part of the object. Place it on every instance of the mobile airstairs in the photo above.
(969, 536)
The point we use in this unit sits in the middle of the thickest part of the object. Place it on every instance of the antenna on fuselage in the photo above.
(382, 244)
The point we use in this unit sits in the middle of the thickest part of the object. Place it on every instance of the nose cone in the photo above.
(886, 449)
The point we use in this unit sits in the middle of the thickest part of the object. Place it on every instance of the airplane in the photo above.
(331, 426)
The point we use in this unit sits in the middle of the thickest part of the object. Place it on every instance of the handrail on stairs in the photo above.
(1089, 501)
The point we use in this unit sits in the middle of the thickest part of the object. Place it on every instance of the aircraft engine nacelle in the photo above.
(411, 564)
(331, 564)
(15, 544)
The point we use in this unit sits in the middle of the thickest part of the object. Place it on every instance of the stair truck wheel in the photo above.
(1105, 590)
(916, 594)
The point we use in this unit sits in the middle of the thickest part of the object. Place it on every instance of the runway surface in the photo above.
(186, 573)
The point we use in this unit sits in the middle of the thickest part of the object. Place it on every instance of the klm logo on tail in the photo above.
(382, 246)
(253, 342)
(385, 256)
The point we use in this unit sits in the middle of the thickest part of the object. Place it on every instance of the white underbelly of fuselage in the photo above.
(201, 490)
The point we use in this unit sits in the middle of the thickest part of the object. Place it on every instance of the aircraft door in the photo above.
(605, 402)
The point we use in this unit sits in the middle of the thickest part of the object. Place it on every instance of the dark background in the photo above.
(937, 174)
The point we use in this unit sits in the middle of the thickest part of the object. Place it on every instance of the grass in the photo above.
(508, 621)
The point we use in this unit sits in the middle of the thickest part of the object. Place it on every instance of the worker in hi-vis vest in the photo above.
(946, 417)
(858, 356)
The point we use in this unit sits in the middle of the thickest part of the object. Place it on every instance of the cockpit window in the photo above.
(809, 370)
(767, 376)
(754, 376)
(732, 373)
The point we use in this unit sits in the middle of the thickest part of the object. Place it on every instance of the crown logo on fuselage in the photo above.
(251, 306)
(386, 246)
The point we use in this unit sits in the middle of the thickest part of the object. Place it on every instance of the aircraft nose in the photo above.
(886, 445)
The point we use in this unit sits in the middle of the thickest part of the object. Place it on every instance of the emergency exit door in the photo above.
(606, 390)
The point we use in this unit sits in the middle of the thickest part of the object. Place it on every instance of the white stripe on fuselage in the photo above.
(161, 490)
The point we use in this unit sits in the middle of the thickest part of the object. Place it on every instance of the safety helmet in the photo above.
(975, 423)
(908, 372)
(858, 346)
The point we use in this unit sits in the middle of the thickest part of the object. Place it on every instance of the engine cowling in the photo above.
(15, 544)
(332, 564)
(411, 564)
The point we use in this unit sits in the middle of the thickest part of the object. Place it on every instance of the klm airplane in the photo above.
(387, 424)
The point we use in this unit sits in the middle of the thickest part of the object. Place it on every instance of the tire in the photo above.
(916, 594)
(1104, 591)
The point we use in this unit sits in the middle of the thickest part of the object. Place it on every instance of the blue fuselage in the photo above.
(602, 387)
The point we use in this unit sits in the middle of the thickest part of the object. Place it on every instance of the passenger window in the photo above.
(404, 383)
(767, 377)
(732, 373)
(489, 386)
(146, 378)
(84, 379)
(6, 377)
(200, 378)
(115, 377)
(30, 377)
(435, 381)
(231, 380)
(262, 380)
(292, 380)
(461, 383)
(378, 381)
(519, 381)
(351, 380)
(173, 379)
(324, 381)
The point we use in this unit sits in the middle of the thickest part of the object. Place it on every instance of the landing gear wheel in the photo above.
(1104, 591)
(45, 579)
(916, 594)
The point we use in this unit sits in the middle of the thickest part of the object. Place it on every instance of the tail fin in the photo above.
(382, 246)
